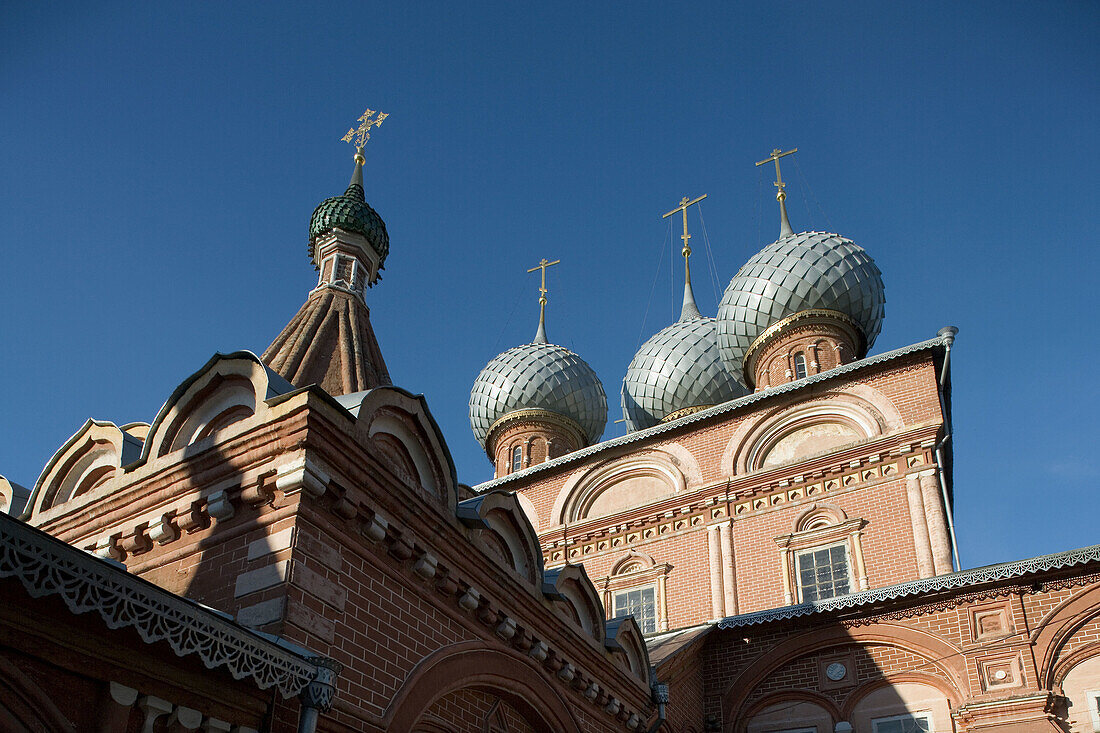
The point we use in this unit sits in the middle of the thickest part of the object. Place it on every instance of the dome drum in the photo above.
(805, 343)
(346, 259)
(539, 434)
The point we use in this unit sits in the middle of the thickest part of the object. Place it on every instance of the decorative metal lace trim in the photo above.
(986, 574)
(722, 409)
(47, 566)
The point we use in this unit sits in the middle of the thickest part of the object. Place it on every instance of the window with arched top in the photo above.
(799, 365)
(517, 458)
(823, 557)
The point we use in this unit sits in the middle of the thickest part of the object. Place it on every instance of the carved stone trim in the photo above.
(47, 566)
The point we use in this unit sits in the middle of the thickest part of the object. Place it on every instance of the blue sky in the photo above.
(160, 164)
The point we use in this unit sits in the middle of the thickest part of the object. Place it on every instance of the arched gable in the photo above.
(941, 655)
(88, 460)
(399, 425)
(470, 665)
(791, 706)
(503, 530)
(570, 585)
(791, 432)
(1055, 629)
(634, 561)
(227, 389)
(624, 639)
(625, 482)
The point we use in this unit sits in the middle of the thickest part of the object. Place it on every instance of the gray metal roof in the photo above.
(679, 367)
(731, 406)
(961, 579)
(538, 376)
(796, 273)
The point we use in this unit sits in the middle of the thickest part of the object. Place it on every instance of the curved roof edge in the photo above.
(727, 407)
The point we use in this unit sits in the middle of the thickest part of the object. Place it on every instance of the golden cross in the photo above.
(683, 207)
(361, 134)
(774, 157)
(542, 265)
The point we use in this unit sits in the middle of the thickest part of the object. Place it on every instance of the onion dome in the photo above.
(538, 376)
(679, 370)
(350, 212)
(799, 272)
(539, 380)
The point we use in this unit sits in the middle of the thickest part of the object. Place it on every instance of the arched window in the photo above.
(517, 458)
(799, 365)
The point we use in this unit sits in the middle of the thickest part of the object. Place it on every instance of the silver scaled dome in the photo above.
(542, 376)
(677, 369)
(795, 273)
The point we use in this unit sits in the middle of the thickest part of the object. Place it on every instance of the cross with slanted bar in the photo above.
(774, 157)
(683, 207)
(542, 265)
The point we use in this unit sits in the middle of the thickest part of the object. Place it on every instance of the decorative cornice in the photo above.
(805, 383)
(773, 332)
(47, 566)
(533, 415)
(684, 412)
(962, 579)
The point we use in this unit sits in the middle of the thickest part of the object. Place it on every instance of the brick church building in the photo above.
(769, 549)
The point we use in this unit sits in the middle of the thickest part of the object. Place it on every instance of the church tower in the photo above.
(330, 341)
(536, 402)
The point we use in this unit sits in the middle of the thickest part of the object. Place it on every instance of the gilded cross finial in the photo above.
(781, 194)
(686, 251)
(540, 337)
(360, 135)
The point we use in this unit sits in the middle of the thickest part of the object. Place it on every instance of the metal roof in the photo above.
(679, 367)
(46, 566)
(797, 273)
(728, 407)
(538, 376)
(952, 581)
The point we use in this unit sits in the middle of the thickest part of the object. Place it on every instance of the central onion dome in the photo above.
(350, 212)
(796, 273)
(679, 370)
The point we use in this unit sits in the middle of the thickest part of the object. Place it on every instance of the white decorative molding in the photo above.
(301, 474)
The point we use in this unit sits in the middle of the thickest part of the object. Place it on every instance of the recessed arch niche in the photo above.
(791, 434)
(626, 483)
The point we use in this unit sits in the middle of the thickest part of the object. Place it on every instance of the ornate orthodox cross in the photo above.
(361, 134)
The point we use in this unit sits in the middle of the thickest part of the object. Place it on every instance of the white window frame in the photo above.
(924, 715)
(805, 367)
(1092, 698)
(617, 612)
(515, 458)
(798, 554)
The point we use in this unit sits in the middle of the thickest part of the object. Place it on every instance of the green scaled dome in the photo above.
(352, 213)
